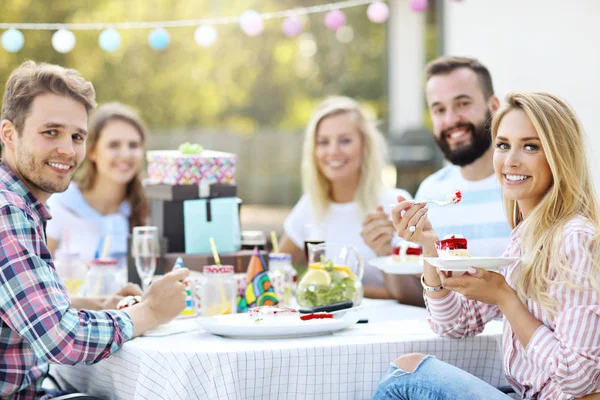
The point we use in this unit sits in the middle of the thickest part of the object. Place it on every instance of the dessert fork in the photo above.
(453, 198)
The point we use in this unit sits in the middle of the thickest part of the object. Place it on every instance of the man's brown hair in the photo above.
(447, 64)
(32, 79)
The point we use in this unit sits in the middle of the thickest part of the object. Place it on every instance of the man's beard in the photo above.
(31, 171)
(481, 139)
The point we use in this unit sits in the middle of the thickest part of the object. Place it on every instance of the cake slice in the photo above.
(407, 252)
(452, 246)
(278, 312)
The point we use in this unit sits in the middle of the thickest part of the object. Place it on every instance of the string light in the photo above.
(251, 22)
(99, 26)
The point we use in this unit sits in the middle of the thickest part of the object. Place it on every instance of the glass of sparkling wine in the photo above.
(145, 251)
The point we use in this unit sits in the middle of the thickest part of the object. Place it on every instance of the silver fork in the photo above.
(439, 203)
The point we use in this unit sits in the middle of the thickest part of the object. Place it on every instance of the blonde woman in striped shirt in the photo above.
(550, 300)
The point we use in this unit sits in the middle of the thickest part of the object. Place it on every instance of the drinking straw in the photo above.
(106, 247)
(213, 247)
(100, 282)
(274, 242)
(67, 241)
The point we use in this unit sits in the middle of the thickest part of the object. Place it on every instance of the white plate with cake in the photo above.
(462, 263)
(406, 259)
(389, 266)
(278, 322)
(453, 255)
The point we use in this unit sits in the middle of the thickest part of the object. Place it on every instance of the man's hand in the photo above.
(377, 232)
(110, 302)
(166, 297)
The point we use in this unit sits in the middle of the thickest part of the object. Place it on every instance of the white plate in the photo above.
(389, 266)
(243, 326)
(462, 263)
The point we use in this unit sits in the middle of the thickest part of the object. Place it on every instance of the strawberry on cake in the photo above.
(452, 246)
(407, 252)
(455, 197)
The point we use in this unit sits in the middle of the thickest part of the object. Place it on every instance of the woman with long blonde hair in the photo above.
(342, 162)
(550, 298)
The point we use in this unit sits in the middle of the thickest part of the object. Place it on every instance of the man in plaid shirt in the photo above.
(43, 132)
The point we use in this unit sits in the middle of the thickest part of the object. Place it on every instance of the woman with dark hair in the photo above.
(108, 199)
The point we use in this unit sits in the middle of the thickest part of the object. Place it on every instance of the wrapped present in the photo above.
(217, 218)
(259, 291)
(175, 168)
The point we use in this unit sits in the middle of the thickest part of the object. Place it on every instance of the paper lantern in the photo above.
(335, 19)
(292, 26)
(159, 39)
(63, 41)
(109, 40)
(345, 34)
(251, 22)
(418, 5)
(205, 35)
(378, 12)
(13, 40)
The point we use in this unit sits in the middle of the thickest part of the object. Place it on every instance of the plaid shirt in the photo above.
(37, 325)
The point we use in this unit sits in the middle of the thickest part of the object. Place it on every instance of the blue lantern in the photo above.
(12, 40)
(109, 40)
(159, 39)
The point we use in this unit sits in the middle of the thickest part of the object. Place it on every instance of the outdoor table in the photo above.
(343, 365)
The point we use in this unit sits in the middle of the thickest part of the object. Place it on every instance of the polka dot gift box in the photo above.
(173, 167)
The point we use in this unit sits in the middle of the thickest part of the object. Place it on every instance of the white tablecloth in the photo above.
(343, 365)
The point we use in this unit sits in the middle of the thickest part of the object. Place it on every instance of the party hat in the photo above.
(260, 291)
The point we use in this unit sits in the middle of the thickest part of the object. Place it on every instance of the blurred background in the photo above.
(253, 95)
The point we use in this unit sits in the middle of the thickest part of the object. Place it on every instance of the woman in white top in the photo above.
(108, 198)
(341, 174)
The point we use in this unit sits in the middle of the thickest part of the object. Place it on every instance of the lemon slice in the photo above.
(343, 270)
(219, 309)
(317, 277)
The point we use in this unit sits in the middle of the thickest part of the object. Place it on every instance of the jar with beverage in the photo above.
(72, 271)
(218, 291)
(280, 274)
(103, 278)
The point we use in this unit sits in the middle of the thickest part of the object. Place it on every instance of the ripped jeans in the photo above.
(433, 379)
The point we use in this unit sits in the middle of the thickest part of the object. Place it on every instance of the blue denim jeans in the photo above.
(434, 380)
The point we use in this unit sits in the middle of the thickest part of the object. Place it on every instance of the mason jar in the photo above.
(218, 291)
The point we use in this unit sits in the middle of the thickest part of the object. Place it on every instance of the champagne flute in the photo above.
(145, 251)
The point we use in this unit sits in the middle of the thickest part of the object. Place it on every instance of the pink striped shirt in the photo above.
(562, 359)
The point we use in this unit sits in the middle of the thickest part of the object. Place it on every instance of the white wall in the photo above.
(545, 45)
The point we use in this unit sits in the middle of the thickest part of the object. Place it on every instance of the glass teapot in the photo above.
(334, 274)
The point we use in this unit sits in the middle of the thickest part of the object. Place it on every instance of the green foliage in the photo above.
(241, 84)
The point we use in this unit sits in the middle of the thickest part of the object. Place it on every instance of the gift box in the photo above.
(218, 218)
(162, 191)
(175, 168)
(166, 208)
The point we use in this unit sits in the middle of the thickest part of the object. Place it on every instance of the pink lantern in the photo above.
(378, 12)
(335, 19)
(418, 5)
(292, 26)
(251, 22)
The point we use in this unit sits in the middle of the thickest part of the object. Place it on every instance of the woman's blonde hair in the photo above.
(543, 259)
(370, 183)
(86, 178)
